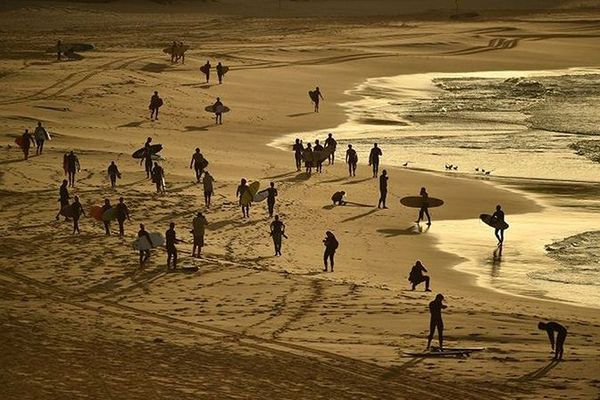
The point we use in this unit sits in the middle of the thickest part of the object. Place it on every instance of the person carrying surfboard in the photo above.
(241, 189)
(271, 195)
(416, 276)
(499, 232)
(113, 173)
(171, 240)
(220, 72)
(351, 160)
(26, 141)
(316, 97)
(158, 177)
(307, 155)
(330, 142)
(72, 166)
(383, 184)
(105, 208)
(331, 245)
(198, 229)
(41, 135)
(218, 110)
(424, 210)
(317, 149)
(298, 149)
(374, 159)
(147, 158)
(77, 213)
(436, 322)
(561, 336)
(206, 70)
(155, 103)
(144, 254)
(63, 198)
(277, 233)
(122, 215)
(207, 183)
(198, 162)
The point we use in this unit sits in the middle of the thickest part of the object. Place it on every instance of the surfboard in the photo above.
(493, 222)
(417, 202)
(67, 211)
(211, 109)
(154, 148)
(71, 46)
(110, 214)
(444, 353)
(320, 156)
(466, 349)
(96, 212)
(20, 141)
(179, 49)
(261, 196)
(249, 194)
(314, 97)
(143, 244)
(204, 69)
(224, 70)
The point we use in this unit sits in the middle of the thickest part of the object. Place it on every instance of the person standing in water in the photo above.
(113, 174)
(561, 336)
(374, 159)
(317, 156)
(147, 158)
(27, 141)
(424, 210)
(220, 72)
(383, 184)
(499, 232)
(330, 144)
(207, 183)
(198, 228)
(122, 215)
(436, 322)
(198, 162)
(158, 177)
(351, 160)
(271, 195)
(241, 189)
(155, 103)
(72, 166)
(105, 208)
(206, 69)
(171, 240)
(416, 276)
(277, 233)
(63, 198)
(318, 96)
(218, 110)
(144, 254)
(41, 135)
(331, 244)
(77, 213)
(298, 154)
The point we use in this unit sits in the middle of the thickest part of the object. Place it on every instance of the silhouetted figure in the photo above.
(63, 198)
(155, 103)
(181, 53)
(158, 177)
(241, 189)
(72, 166)
(317, 99)
(170, 241)
(220, 73)
(144, 254)
(207, 183)
(436, 322)
(298, 154)
(77, 213)
(27, 140)
(330, 142)
(122, 215)
(113, 174)
(374, 159)
(424, 210)
(105, 208)
(338, 198)
(277, 233)
(41, 135)
(271, 195)
(561, 336)
(308, 157)
(331, 245)
(319, 162)
(198, 229)
(198, 162)
(351, 160)
(147, 158)
(206, 71)
(218, 108)
(174, 49)
(58, 50)
(499, 232)
(383, 189)
(416, 276)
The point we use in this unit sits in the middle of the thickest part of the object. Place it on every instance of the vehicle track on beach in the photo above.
(409, 387)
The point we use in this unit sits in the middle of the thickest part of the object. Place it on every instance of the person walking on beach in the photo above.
(207, 183)
(147, 158)
(331, 244)
(206, 69)
(155, 103)
(158, 177)
(561, 336)
(330, 145)
(374, 159)
(241, 189)
(317, 97)
(77, 213)
(198, 228)
(41, 135)
(113, 174)
(277, 233)
(198, 162)
(308, 157)
(144, 254)
(499, 232)
(105, 208)
(416, 276)
(351, 160)
(383, 184)
(122, 215)
(26, 141)
(317, 155)
(220, 72)
(424, 210)
(171, 240)
(218, 110)
(271, 195)
(72, 166)
(436, 322)
(298, 154)
(63, 198)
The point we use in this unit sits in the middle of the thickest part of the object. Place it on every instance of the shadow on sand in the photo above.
(410, 231)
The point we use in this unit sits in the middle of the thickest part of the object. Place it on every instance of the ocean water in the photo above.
(527, 126)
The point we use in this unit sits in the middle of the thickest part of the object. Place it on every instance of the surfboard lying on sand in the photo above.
(493, 222)
(143, 244)
(443, 353)
(261, 196)
(214, 110)
(417, 202)
(154, 148)
(249, 194)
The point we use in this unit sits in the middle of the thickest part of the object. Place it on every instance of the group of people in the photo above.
(39, 137)
(220, 69)
(177, 50)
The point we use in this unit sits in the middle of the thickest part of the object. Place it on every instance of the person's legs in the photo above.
(440, 328)
(428, 217)
(559, 349)
(147, 257)
(421, 212)
(75, 225)
(174, 257)
(271, 206)
(169, 257)
(325, 257)
(331, 256)
(107, 227)
(432, 325)
(113, 181)
(121, 227)
(141, 258)
(426, 279)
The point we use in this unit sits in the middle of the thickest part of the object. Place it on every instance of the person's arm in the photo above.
(443, 306)
(551, 337)
(424, 269)
(82, 211)
(321, 95)
(192, 162)
(347, 155)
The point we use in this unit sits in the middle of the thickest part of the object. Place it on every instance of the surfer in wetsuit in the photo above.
(561, 336)
(206, 70)
(241, 189)
(331, 245)
(41, 136)
(155, 103)
(298, 150)
(171, 240)
(317, 98)
(63, 198)
(174, 52)
(218, 109)
(198, 228)
(198, 162)
(144, 254)
(374, 159)
(220, 73)
(308, 157)
(338, 198)
(271, 194)
(330, 142)
(351, 160)
(27, 140)
(122, 215)
(499, 232)
(158, 177)
(436, 322)
(147, 158)
(319, 161)
(416, 276)
(424, 210)
(113, 173)
(72, 167)
(277, 233)
(105, 208)
(207, 183)
(77, 212)
(383, 182)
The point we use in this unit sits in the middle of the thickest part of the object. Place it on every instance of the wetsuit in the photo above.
(416, 276)
(374, 160)
(199, 165)
(298, 150)
(383, 182)
(277, 232)
(331, 245)
(218, 107)
(436, 322)
(27, 139)
(561, 336)
(352, 160)
(220, 73)
(207, 183)
(330, 142)
(157, 176)
(72, 164)
(499, 215)
(77, 212)
(144, 254)
(199, 227)
(105, 208)
(241, 189)
(171, 249)
(113, 173)
(40, 137)
(338, 198)
(122, 215)
(272, 193)
(63, 198)
(155, 103)
(319, 163)
(424, 210)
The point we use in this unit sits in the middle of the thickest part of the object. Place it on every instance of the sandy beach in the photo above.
(81, 319)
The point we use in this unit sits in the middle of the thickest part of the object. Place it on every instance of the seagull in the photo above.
(456, 167)
(405, 164)
(476, 169)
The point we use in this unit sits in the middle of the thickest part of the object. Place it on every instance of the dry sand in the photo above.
(80, 320)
